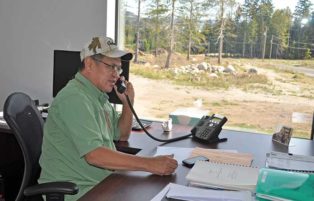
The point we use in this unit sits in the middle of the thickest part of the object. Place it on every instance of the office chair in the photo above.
(26, 122)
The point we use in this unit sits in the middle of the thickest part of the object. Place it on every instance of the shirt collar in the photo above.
(91, 88)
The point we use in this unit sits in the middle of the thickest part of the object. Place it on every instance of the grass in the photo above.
(274, 63)
(201, 80)
(223, 103)
(249, 128)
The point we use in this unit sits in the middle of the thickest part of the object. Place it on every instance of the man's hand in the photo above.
(129, 91)
(162, 165)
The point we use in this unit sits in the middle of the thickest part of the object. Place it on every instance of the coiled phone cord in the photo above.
(150, 135)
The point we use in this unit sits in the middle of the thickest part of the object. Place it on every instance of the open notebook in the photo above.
(223, 176)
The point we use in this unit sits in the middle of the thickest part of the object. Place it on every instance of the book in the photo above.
(284, 185)
(213, 155)
(223, 176)
(290, 162)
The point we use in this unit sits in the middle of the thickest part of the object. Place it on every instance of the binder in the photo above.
(275, 184)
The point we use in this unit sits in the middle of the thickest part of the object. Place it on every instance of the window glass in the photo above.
(252, 63)
(111, 22)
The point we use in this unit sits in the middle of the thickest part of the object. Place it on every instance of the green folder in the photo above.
(283, 185)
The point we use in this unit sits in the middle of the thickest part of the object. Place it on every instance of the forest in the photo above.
(222, 28)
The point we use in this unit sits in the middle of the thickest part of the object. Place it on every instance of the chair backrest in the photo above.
(23, 117)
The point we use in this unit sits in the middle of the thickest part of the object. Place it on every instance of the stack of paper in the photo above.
(223, 176)
(290, 162)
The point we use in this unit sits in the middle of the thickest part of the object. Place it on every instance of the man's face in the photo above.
(103, 73)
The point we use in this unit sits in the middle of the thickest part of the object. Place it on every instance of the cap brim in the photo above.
(119, 54)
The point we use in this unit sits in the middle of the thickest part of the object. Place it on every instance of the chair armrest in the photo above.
(52, 188)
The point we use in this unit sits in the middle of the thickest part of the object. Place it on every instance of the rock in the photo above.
(221, 69)
(147, 64)
(229, 69)
(202, 66)
(252, 71)
(212, 75)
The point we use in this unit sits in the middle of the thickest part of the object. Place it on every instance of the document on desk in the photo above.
(181, 153)
(180, 192)
(290, 162)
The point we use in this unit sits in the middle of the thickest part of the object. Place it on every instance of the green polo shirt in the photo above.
(80, 120)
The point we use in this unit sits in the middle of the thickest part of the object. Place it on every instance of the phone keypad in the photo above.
(207, 129)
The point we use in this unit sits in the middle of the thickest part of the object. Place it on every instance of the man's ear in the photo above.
(89, 63)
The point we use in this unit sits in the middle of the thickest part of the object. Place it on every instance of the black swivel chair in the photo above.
(26, 122)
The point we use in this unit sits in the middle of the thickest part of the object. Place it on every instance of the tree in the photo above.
(265, 11)
(137, 35)
(156, 12)
(171, 34)
(307, 54)
(250, 9)
(191, 12)
(222, 4)
(302, 11)
(280, 25)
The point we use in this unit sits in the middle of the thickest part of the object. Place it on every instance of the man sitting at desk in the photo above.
(82, 124)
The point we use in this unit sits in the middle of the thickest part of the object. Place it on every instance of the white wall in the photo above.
(29, 32)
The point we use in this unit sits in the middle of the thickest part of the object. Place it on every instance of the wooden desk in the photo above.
(142, 186)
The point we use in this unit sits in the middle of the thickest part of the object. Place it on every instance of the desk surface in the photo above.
(142, 186)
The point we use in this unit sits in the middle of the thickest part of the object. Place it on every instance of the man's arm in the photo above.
(115, 160)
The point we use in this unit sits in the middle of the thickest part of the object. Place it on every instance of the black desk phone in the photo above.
(120, 86)
(208, 128)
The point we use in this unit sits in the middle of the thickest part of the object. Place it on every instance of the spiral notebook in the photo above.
(219, 156)
(223, 176)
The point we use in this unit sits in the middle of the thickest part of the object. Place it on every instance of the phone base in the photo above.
(211, 141)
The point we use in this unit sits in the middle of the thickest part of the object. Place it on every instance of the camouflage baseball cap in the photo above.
(104, 46)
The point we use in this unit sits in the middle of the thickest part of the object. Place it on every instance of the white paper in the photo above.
(224, 176)
(162, 193)
(197, 194)
(181, 153)
(178, 152)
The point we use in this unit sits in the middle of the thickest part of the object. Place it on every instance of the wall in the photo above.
(30, 31)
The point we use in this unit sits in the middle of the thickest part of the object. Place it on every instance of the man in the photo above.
(82, 124)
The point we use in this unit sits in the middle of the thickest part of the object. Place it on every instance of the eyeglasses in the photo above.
(114, 67)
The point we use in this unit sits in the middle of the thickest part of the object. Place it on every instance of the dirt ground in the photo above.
(155, 99)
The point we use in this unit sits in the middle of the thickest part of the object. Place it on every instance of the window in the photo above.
(263, 79)
(112, 19)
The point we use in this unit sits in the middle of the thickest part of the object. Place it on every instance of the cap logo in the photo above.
(94, 44)
(109, 43)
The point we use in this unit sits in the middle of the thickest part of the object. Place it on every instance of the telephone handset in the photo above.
(120, 86)
(208, 129)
